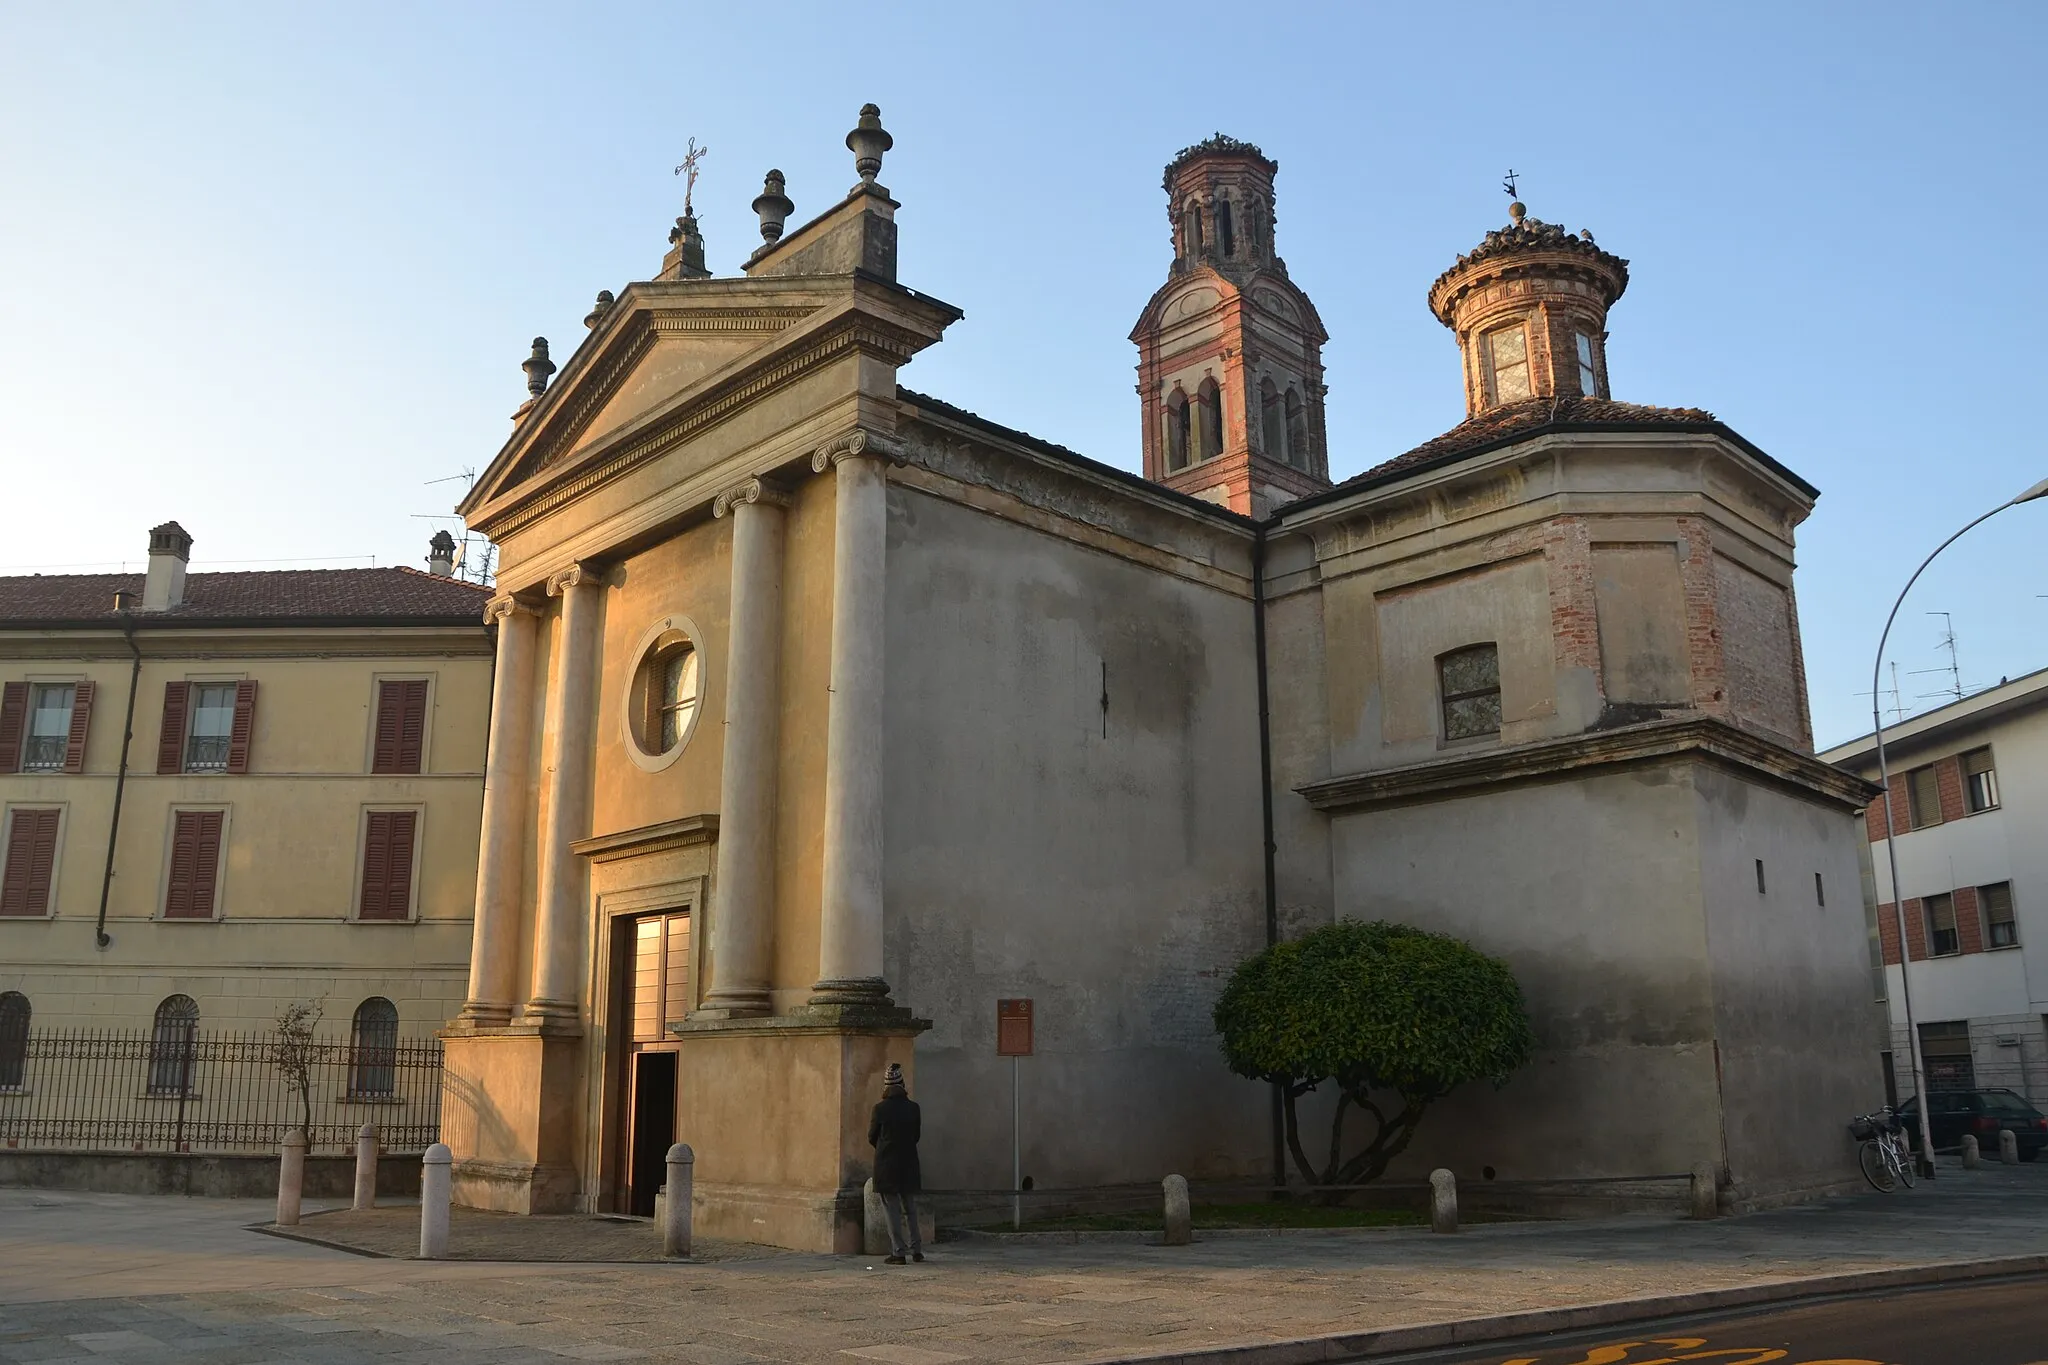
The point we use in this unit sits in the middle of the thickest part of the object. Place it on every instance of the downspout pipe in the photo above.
(1266, 813)
(100, 935)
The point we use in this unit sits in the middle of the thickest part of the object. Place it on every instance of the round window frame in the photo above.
(643, 658)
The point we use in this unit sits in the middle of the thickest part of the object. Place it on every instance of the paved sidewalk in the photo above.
(179, 1282)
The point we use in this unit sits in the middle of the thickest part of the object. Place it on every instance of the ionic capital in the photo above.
(506, 605)
(857, 444)
(749, 491)
(575, 576)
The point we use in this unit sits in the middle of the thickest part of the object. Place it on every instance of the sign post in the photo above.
(1013, 1040)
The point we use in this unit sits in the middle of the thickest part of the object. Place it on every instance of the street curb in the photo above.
(1348, 1346)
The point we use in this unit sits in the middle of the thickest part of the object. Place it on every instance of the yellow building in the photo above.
(290, 814)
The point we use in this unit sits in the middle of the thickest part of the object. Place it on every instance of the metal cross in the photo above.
(688, 170)
(1509, 185)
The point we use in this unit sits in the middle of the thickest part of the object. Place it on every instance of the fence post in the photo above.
(1706, 1191)
(436, 1180)
(1180, 1215)
(366, 1167)
(1973, 1156)
(291, 1177)
(675, 1227)
(1443, 1201)
(2008, 1147)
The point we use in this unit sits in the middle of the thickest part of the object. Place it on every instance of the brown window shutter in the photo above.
(170, 744)
(387, 865)
(384, 756)
(31, 862)
(13, 719)
(245, 726)
(195, 863)
(401, 726)
(81, 721)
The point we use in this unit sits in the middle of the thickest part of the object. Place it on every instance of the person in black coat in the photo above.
(893, 1133)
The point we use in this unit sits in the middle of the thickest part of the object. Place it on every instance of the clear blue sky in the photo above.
(271, 269)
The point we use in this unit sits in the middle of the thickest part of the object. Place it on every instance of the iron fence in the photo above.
(179, 1090)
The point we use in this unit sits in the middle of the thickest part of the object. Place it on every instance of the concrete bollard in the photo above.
(1180, 1214)
(291, 1177)
(1973, 1157)
(675, 1221)
(366, 1167)
(874, 1221)
(1705, 1192)
(437, 1177)
(2008, 1147)
(1443, 1201)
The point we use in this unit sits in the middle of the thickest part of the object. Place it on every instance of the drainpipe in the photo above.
(100, 935)
(1266, 813)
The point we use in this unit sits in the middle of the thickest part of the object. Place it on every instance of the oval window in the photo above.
(667, 689)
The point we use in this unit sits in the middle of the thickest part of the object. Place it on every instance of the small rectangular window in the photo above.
(389, 839)
(1507, 354)
(1980, 781)
(401, 726)
(49, 728)
(1589, 382)
(1469, 680)
(212, 727)
(1760, 876)
(31, 861)
(1923, 796)
(195, 863)
(2000, 929)
(1941, 925)
(1820, 891)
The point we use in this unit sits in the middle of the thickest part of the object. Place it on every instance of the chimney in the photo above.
(170, 546)
(441, 555)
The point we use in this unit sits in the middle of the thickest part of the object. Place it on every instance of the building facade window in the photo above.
(14, 1017)
(1923, 796)
(1980, 781)
(1208, 420)
(1507, 364)
(31, 861)
(174, 1046)
(1297, 430)
(1589, 381)
(390, 840)
(207, 727)
(1176, 429)
(675, 697)
(1225, 237)
(1469, 681)
(373, 1050)
(49, 728)
(1945, 1052)
(192, 889)
(401, 734)
(2001, 930)
(43, 725)
(212, 729)
(660, 990)
(1273, 423)
(1942, 940)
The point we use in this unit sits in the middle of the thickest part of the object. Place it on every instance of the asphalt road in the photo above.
(2004, 1323)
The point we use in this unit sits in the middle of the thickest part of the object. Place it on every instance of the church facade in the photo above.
(827, 715)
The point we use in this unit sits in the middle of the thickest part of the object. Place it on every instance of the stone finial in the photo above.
(867, 142)
(604, 303)
(538, 367)
(774, 207)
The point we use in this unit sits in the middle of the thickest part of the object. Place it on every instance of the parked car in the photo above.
(1983, 1112)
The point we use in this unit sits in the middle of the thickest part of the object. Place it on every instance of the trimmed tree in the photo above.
(1379, 1010)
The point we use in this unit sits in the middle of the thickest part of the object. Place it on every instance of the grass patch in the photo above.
(1264, 1215)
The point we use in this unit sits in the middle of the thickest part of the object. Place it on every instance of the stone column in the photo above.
(850, 913)
(570, 736)
(742, 918)
(494, 952)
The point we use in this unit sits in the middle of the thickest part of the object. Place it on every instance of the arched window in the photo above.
(1209, 411)
(173, 1045)
(1176, 430)
(373, 1049)
(1297, 430)
(1273, 423)
(14, 1014)
(1224, 235)
(1193, 232)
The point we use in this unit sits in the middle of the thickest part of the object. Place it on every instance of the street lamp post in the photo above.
(1891, 852)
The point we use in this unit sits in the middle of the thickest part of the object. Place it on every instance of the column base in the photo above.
(854, 1002)
(553, 1016)
(742, 1003)
(484, 1014)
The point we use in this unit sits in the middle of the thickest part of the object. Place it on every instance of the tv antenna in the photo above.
(1954, 690)
(476, 559)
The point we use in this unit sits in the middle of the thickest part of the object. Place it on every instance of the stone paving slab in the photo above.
(971, 1302)
(477, 1235)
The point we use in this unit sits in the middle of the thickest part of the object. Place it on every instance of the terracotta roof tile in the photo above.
(1528, 417)
(398, 595)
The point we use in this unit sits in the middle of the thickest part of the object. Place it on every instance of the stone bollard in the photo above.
(1180, 1215)
(291, 1178)
(366, 1167)
(1443, 1201)
(675, 1221)
(436, 1179)
(874, 1221)
(1973, 1157)
(1705, 1191)
(2008, 1147)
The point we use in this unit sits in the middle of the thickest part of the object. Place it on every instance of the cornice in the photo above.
(1701, 738)
(686, 832)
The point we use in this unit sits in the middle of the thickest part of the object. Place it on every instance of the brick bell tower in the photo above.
(1230, 352)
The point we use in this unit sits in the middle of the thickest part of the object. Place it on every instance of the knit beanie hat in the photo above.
(893, 1078)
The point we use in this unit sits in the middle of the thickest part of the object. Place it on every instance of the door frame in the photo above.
(612, 1133)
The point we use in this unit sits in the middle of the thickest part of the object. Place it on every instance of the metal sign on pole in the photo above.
(1013, 1040)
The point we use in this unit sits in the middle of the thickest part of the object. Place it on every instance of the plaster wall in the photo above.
(1103, 861)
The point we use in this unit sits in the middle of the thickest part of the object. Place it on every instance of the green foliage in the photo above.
(1372, 1007)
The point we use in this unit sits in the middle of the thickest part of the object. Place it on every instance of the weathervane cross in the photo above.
(1509, 184)
(688, 170)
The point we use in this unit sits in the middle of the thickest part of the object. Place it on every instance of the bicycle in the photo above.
(1886, 1162)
